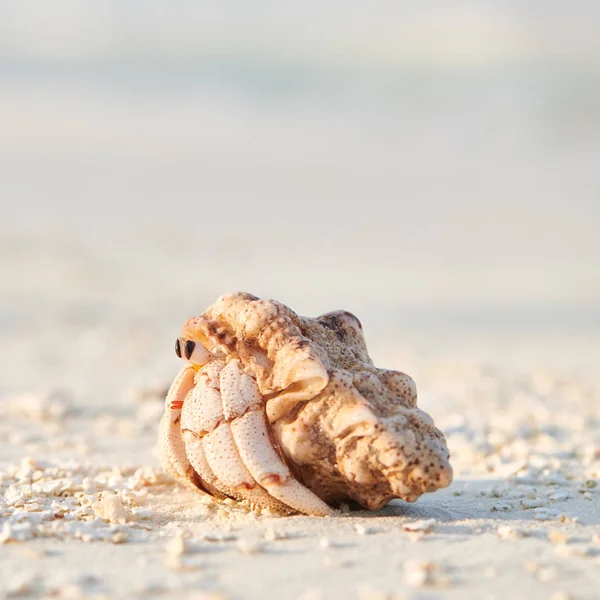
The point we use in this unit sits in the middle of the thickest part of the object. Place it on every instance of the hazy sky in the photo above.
(427, 155)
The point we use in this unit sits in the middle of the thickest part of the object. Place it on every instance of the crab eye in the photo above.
(188, 348)
(195, 352)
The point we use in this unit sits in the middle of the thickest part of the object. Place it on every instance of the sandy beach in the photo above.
(87, 511)
(432, 170)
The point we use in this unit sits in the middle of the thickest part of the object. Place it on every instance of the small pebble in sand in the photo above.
(591, 453)
(249, 546)
(174, 555)
(556, 536)
(495, 492)
(532, 566)
(426, 526)
(8, 534)
(363, 529)
(110, 508)
(544, 514)
(421, 573)
(573, 550)
(271, 535)
(559, 496)
(139, 514)
(508, 532)
(566, 518)
(20, 584)
(120, 537)
(177, 545)
(527, 503)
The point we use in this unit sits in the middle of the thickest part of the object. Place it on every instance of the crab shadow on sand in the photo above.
(468, 501)
(463, 503)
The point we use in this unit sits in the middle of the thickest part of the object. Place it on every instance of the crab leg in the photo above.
(172, 447)
(243, 407)
(201, 414)
(210, 446)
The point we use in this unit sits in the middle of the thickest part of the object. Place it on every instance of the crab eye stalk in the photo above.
(192, 351)
(188, 349)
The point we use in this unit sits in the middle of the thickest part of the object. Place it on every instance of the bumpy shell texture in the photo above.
(347, 429)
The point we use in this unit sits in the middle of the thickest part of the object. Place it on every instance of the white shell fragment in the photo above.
(72, 501)
(421, 573)
(426, 526)
(290, 414)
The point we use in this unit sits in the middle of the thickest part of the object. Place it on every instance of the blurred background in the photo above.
(433, 167)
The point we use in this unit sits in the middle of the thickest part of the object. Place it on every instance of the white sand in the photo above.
(521, 520)
(452, 207)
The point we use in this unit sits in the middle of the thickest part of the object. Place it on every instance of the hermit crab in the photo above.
(290, 413)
